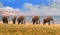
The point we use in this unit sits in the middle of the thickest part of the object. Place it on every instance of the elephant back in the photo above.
(21, 18)
(48, 18)
(35, 17)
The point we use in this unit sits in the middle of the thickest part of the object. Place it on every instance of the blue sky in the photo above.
(20, 3)
(30, 7)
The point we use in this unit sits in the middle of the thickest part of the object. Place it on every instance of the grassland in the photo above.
(15, 29)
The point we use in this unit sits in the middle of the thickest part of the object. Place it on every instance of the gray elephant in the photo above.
(21, 19)
(36, 19)
(5, 19)
(47, 20)
(14, 19)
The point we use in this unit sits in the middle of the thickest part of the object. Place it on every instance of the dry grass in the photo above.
(15, 29)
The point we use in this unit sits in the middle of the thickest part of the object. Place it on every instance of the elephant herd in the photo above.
(35, 19)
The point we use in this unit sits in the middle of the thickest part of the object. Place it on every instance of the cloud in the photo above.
(53, 9)
(11, 11)
(30, 9)
(8, 11)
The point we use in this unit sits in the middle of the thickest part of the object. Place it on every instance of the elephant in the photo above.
(21, 19)
(5, 19)
(47, 20)
(36, 19)
(14, 19)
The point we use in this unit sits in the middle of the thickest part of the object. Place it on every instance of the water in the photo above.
(28, 19)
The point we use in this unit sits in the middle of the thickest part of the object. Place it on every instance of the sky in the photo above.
(30, 7)
(20, 3)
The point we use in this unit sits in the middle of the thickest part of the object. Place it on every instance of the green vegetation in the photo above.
(15, 29)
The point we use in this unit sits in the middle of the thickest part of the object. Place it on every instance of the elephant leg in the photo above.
(13, 22)
(7, 21)
(48, 23)
(21, 22)
(36, 22)
(18, 22)
(44, 22)
(33, 22)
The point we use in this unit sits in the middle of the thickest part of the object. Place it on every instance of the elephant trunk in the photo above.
(39, 21)
(52, 22)
(24, 21)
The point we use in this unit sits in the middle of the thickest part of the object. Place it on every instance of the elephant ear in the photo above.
(33, 16)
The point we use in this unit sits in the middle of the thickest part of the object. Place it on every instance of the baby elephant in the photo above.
(47, 20)
(14, 19)
(21, 19)
(36, 19)
(5, 19)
